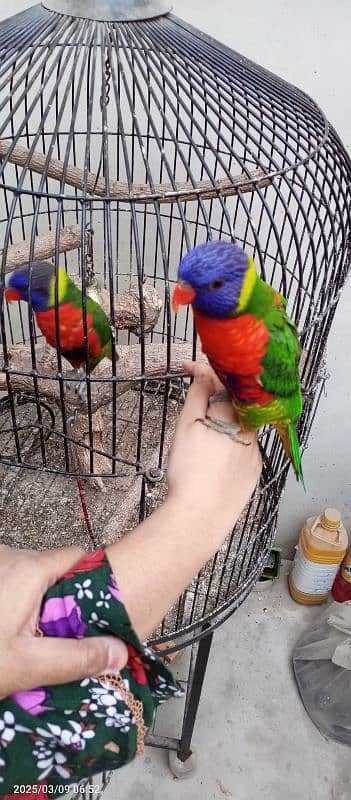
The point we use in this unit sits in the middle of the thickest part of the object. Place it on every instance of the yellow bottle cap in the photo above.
(331, 518)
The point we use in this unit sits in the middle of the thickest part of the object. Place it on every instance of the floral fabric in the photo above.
(58, 735)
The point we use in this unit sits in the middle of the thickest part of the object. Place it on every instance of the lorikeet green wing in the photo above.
(280, 377)
(274, 396)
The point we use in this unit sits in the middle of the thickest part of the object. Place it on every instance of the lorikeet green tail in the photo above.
(70, 313)
(248, 338)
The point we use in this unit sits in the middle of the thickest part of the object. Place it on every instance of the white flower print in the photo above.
(75, 738)
(87, 707)
(41, 751)
(86, 681)
(104, 598)
(120, 721)
(115, 719)
(94, 620)
(84, 590)
(2, 764)
(47, 758)
(79, 735)
(54, 763)
(9, 728)
(146, 651)
(162, 690)
(101, 697)
(104, 696)
(162, 683)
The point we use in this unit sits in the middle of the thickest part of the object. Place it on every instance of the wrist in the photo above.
(195, 514)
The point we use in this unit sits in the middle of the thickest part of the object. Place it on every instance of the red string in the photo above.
(86, 515)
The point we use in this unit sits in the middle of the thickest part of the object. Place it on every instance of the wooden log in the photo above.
(125, 519)
(127, 308)
(90, 183)
(128, 372)
(81, 451)
(44, 247)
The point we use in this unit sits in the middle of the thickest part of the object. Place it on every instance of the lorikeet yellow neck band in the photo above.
(62, 281)
(248, 285)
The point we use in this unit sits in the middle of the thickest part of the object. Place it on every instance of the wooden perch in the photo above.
(123, 521)
(44, 247)
(128, 372)
(81, 454)
(127, 308)
(139, 192)
(101, 393)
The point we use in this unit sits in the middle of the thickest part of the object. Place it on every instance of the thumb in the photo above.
(52, 661)
(200, 391)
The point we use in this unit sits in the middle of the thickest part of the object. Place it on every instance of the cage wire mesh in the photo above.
(122, 145)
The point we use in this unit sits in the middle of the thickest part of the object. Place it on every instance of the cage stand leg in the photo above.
(197, 670)
(181, 758)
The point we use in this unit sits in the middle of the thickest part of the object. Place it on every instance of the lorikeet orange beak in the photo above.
(11, 295)
(183, 295)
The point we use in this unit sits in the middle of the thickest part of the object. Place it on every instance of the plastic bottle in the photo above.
(341, 590)
(322, 545)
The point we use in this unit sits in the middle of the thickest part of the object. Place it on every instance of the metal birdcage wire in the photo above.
(123, 144)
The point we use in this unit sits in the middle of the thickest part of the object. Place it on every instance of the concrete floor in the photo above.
(253, 737)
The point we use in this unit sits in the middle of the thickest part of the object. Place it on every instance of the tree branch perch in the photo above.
(128, 372)
(91, 184)
(70, 238)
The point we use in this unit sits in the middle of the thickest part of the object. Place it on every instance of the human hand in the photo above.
(208, 472)
(28, 661)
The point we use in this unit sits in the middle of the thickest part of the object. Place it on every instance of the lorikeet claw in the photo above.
(81, 389)
(231, 429)
(222, 396)
(78, 386)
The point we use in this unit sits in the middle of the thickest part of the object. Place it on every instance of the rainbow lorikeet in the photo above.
(250, 341)
(70, 313)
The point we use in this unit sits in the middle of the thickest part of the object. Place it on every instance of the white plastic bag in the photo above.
(322, 666)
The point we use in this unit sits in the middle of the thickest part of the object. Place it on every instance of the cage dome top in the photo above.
(162, 88)
(110, 10)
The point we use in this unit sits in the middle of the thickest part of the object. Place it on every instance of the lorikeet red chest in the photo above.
(235, 348)
(71, 332)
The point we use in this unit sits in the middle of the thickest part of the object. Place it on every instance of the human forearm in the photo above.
(155, 563)
(210, 480)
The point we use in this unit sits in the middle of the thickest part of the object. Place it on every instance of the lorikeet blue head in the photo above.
(211, 278)
(17, 285)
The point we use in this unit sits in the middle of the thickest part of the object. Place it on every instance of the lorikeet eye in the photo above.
(215, 285)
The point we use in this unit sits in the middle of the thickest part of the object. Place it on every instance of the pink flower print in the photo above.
(114, 590)
(32, 701)
(61, 616)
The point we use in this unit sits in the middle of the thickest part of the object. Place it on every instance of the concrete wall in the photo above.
(307, 44)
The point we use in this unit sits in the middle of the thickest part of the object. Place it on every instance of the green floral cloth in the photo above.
(55, 736)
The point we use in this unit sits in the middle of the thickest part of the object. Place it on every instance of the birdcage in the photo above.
(126, 138)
